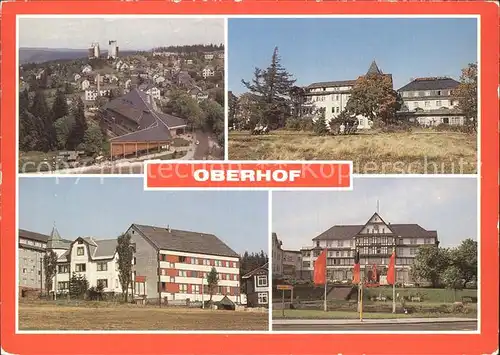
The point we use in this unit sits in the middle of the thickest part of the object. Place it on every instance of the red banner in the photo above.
(320, 269)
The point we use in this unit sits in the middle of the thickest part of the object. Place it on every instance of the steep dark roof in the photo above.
(185, 241)
(332, 83)
(261, 270)
(139, 107)
(25, 234)
(350, 231)
(374, 69)
(430, 84)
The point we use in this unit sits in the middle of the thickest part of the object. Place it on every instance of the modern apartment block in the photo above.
(375, 241)
(173, 264)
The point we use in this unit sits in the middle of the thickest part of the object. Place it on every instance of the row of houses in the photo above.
(375, 240)
(168, 264)
(430, 101)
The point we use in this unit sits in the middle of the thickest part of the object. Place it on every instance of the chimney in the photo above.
(98, 84)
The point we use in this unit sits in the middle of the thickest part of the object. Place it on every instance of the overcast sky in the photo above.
(105, 208)
(448, 205)
(131, 33)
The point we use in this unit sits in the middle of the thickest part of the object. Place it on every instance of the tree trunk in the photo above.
(126, 293)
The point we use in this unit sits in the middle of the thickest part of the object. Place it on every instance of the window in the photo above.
(80, 267)
(183, 273)
(262, 281)
(195, 289)
(63, 285)
(427, 103)
(194, 261)
(427, 93)
(413, 241)
(182, 259)
(102, 266)
(24, 271)
(183, 288)
(228, 290)
(262, 298)
(80, 251)
(172, 279)
(306, 264)
(62, 269)
(438, 103)
(206, 262)
(103, 283)
(171, 265)
(438, 93)
(413, 251)
(340, 243)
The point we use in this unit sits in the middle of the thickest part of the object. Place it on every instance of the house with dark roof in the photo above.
(375, 241)
(430, 101)
(138, 125)
(332, 96)
(173, 264)
(257, 286)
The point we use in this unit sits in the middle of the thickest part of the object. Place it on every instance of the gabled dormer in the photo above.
(376, 225)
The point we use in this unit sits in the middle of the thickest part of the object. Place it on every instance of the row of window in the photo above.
(31, 242)
(64, 285)
(196, 289)
(364, 261)
(439, 103)
(82, 267)
(198, 274)
(200, 261)
(427, 93)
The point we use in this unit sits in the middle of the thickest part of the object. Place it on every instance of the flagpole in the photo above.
(326, 278)
(361, 301)
(394, 284)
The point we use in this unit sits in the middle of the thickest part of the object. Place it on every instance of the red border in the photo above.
(483, 343)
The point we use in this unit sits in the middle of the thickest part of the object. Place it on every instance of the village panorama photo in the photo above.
(393, 95)
(110, 92)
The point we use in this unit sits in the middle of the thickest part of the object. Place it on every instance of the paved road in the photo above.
(410, 327)
(203, 148)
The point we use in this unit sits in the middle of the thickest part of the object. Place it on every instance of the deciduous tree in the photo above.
(49, 267)
(374, 97)
(466, 95)
(212, 282)
(429, 264)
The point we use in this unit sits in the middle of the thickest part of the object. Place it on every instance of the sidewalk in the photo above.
(369, 321)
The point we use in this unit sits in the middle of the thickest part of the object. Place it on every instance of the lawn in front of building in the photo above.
(106, 316)
(424, 152)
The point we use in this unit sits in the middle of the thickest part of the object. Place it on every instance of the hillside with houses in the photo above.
(63, 102)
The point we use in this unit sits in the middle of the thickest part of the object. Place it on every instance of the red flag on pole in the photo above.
(356, 269)
(374, 273)
(320, 269)
(391, 270)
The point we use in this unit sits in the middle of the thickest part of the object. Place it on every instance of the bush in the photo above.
(299, 124)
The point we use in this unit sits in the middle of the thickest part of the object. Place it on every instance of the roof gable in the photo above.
(374, 69)
(261, 270)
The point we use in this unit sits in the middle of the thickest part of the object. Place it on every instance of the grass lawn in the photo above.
(371, 152)
(107, 317)
(316, 314)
